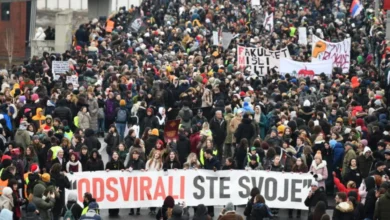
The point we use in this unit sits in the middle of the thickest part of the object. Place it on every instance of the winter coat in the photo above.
(212, 163)
(318, 195)
(112, 141)
(171, 165)
(218, 128)
(233, 125)
(6, 202)
(382, 211)
(338, 155)
(344, 211)
(245, 130)
(63, 112)
(110, 109)
(349, 155)
(341, 187)
(321, 171)
(229, 134)
(76, 209)
(353, 175)
(94, 164)
(84, 120)
(93, 109)
(263, 124)
(136, 164)
(43, 206)
(365, 164)
(260, 211)
(62, 182)
(150, 143)
(23, 138)
(183, 148)
(91, 141)
(230, 216)
(115, 165)
(207, 98)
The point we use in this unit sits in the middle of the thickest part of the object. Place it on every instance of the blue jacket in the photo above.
(90, 215)
(338, 154)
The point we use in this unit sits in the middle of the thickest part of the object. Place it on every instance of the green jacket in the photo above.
(43, 206)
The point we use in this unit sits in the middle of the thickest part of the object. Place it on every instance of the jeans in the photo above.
(100, 125)
(121, 127)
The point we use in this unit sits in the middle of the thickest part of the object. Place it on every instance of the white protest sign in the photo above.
(137, 24)
(59, 67)
(269, 22)
(215, 38)
(339, 52)
(255, 3)
(136, 189)
(302, 36)
(73, 79)
(260, 60)
(304, 70)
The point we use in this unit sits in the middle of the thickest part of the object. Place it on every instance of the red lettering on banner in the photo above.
(135, 181)
(145, 185)
(80, 184)
(98, 189)
(126, 188)
(182, 184)
(114, 196)
(160, 191)
(170, 188)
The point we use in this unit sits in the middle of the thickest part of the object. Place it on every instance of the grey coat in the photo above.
(93, 112)
(43, 206)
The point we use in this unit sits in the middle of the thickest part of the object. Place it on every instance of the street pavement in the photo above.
(124, 213)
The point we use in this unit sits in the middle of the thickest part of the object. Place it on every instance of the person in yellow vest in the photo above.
(30, 177)
(251, 153)
(209, 145)
(87, 200)
(7, 174)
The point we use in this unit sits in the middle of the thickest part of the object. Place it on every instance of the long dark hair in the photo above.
(244, 143)
(168, 159)
(319, 210)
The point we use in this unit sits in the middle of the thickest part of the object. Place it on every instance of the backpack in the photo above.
(186, 115)
(68, 214)
(121, 116)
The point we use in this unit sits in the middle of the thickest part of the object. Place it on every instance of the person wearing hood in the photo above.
(84, 120)
(365, 162)
(344, 209)
(73, 165)
(6, 214)
(48, 125)
(39, 118)
(92, 214)
(112, 139)
(186, 115)
(95, 162)
(73, 206)
(382, 207)
(90, 140)
(319, 169)
(6, 199)
(63, 112)
(349, 155)
(22, 136)
(147, 121)
(44, 205)
(31, 213)
(165, 212)
(50, 107)
(245, 129)
(183, 146)
(180, 213)
(201, 213)
(306, 111)
(261, 120)
(229, 213)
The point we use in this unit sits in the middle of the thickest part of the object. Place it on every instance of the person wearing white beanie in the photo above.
(6, 199)
(306, 103)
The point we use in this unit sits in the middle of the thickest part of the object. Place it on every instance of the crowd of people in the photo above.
(133, 79)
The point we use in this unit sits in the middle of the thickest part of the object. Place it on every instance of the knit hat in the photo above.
(314, 183)
(318, 154)
(7, 191)
(281, 128)
(155, 132)
(72, 197)
(332, 143)
(34, 168)
(35, 137)
(253, 148)
(34, 97)
(45, 177)
(22, 99)
(93, 205)
(229, 207)
(31, 208)
(122, 102)
(378, 164)
(364, 142)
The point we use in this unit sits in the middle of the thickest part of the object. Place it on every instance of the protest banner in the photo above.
(302, 70)
(260, 60)
(269, 22)
(171, 130)
(59, 67)
(137, 189)
(339, 52)
(302, 31)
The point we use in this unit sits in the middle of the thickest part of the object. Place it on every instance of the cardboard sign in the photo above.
(59, 67)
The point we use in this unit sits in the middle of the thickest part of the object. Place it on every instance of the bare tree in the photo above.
(9, 41)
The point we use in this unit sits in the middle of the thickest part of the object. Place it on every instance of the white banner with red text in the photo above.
(137, 189)
(303, 70)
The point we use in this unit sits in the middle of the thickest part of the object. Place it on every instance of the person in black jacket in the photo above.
(219, 132)
(172, 161)
(315, 195)
(344, 209)
(114, 164)
(91, 140)
(63, 112)
(259, 209)
(248, 209)
(73, 206)
(130, 139)
(211, 163)
(245, 129)
(162, 213)
(95, 162)
(112, 140)
(62, 182)
(183, 146)
(135, 163)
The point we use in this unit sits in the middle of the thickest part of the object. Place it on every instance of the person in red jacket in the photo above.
(351, 186)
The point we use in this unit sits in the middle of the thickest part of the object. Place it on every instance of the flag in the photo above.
(356, 8)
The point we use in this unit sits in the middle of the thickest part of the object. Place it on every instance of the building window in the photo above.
(5, 11)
